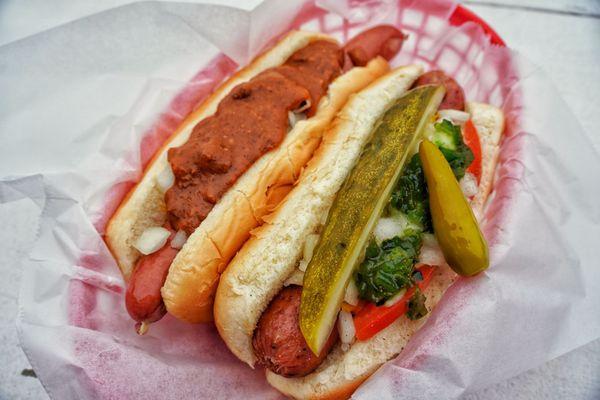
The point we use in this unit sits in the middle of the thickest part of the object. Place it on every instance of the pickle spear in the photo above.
(454, 224)
(356, 209)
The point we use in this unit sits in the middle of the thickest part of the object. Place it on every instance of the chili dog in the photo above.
(229, 164)
(320, 331)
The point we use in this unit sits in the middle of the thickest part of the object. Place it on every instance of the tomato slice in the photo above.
(471, 138)
(372, 319)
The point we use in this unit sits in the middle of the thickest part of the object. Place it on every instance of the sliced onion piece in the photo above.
(179, 239)
(429, 132)
(431, 253)
(351, 295)
(395, 298)
(455, 116)
(165, 179)
(478, 215)
(152, 239)
(142, 328)
(309, 246)
(295, 278)
(468, 185)
(346, 327)
(323, 220)
(387, 228)
(294, 118)
(303, 107)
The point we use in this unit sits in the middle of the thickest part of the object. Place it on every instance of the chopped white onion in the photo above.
(395, 298)
(165, 179)
(346, 327)
(179, 239)
(295, 278)
(152, 239)
(468, 185)
(387, 228)
(294, 118)
(455, 116)
(303, 107)
(309, 246)
(351, 295)
(429, 239)
(302, 265)
(431, 253)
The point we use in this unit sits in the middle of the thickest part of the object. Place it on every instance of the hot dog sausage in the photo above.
(383, 40)
(278, 342)
(455, 96)
(142, 299)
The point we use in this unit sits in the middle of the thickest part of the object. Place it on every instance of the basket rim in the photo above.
(462, 14)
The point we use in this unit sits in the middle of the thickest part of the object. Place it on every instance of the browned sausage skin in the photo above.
(278, 342)
(382, 40)
(455, 96)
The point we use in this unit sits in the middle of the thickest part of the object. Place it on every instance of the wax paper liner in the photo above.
(536, 301)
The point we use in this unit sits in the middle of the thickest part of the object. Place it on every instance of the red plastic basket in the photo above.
(462, 14)
(107, 380)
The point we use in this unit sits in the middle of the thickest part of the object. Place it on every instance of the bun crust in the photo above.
(260, 269)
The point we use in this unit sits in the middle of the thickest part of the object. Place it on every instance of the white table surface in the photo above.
(563, 36)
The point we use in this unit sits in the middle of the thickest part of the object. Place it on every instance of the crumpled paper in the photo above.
(91, 100)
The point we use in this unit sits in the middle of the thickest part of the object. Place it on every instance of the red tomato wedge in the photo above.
(372, 319)
(471, 138)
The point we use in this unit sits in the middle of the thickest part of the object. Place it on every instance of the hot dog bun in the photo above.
(144, 205)
(342, 372)
(189, 289)
(190, 285)
(260, 269)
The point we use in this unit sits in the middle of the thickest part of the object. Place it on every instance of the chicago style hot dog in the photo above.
(229, 164)
(380, 223)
